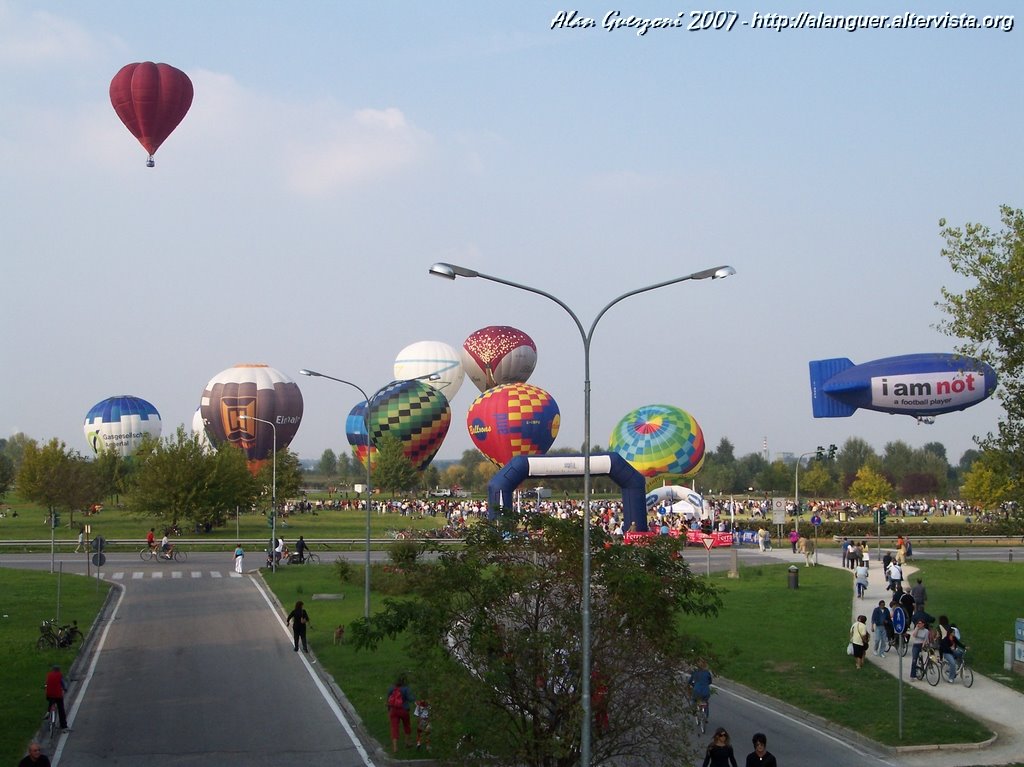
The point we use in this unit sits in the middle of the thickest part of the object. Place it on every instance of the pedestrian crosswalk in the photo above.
(138, 575)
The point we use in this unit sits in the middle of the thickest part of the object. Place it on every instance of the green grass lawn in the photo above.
(791, 644)
(28, 599)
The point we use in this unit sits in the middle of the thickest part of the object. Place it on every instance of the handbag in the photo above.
(849, 648)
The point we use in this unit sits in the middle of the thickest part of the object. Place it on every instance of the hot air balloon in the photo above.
(659, 439)
(199, 429)
(151, 99)
(355, 430)
(417, 414)
(498, 354)
(427, 358)
(512, 420)
(257, 392)
(120, 424)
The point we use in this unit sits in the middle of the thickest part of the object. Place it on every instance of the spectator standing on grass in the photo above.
(919, 593)
(397, 701)
(760, 756)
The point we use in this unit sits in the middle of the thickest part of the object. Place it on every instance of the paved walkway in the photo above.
(998, 706)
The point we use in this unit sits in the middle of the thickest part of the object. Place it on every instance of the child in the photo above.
(422, 714)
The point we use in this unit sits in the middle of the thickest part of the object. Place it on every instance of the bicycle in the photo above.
(308, 558)
(148, 554)
(58, 637)
(963, 671)
(51, 720)
(900, 643)
(700, 716)
(929, 666)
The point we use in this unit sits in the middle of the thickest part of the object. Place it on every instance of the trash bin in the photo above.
(842, 516)
(794, 577)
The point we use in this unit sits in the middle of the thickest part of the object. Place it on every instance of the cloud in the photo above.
(357, 148)
(41, 39)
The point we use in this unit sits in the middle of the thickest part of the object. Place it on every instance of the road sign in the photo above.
(98, 543)
(708, 541)
(99, 558)
(899, 620)
(815, 520)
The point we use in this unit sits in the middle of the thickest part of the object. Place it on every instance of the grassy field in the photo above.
(28, 599)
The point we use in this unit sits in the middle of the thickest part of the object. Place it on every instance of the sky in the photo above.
(335, 150)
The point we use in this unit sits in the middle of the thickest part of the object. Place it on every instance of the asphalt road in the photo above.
(196, 667)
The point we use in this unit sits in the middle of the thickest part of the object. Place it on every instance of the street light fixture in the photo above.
(451, 271)
(366, 422)
(273, 489)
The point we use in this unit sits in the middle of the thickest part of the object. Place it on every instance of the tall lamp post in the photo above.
(366, 422)
(273, 489)
(451, 271)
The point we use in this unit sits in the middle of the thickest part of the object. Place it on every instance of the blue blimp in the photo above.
(918, 385)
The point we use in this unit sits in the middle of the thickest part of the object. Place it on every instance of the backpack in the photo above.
(396, 699)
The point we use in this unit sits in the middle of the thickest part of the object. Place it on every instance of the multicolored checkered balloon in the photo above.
(659, 439)
(414, 412)
(512, 420)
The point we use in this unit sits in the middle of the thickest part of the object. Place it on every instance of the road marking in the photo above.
(158, 574)
(176, 574)
(137, 576)
(196, 574)
(118, 576)
(338, 713)
(216, 574)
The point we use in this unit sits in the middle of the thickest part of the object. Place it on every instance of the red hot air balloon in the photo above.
(151, 99)
(512, 420)
(498, 354)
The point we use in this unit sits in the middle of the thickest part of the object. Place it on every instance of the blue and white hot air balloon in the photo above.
(120, 424)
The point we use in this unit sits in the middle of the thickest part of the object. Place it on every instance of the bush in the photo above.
(404, 553)
(343, 569)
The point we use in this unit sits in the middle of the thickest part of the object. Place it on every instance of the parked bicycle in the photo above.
(52, 636)
(308, 558)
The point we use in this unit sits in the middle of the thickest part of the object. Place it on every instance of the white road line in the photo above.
(158, 574)
(176, 574)
(338, 713)
(118, 575)
(216, 574)
(196, 574)
(137, 575)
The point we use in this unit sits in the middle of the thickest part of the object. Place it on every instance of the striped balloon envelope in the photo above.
(659, 439)
(417, 414)
(355, 431)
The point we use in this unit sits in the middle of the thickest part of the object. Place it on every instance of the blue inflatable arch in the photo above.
(631, 482)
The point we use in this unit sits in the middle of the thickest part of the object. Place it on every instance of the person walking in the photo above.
(56, 686)
(919, 593)
(35, 757)
(794, 539)
(300, 549)
(397, 700)
(720, 753)
(896, 576)
(859, 638)
(860, 577)
(81, 542)
(239, 556)
(881, 625)
(298, 618)
(760, 756)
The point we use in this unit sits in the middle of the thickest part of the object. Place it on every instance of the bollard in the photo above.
(794, 577)
(1011, 555)
(958, 555)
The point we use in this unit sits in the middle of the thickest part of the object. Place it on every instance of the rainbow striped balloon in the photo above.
(659, 439)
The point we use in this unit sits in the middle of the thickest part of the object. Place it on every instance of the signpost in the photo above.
(816, 521)
(709, 543)
(899, 625)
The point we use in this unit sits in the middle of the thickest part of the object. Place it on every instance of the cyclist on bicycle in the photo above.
(151, 539)
(55, 688)
(700, 686)
(166, 547)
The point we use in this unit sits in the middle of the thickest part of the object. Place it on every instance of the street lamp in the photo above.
(273, 489)
(366, 422)
(451, 271)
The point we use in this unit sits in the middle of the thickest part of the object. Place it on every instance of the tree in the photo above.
(6, 474)
(990, 316)
(328, 465)
(854, 454)
(870, 488)
(985, 485)
(114, 472)
(14, 447)
(393, 470)
(817, 481)
(497, 622)
(58, 478)
(179, 480)
(289, 475)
